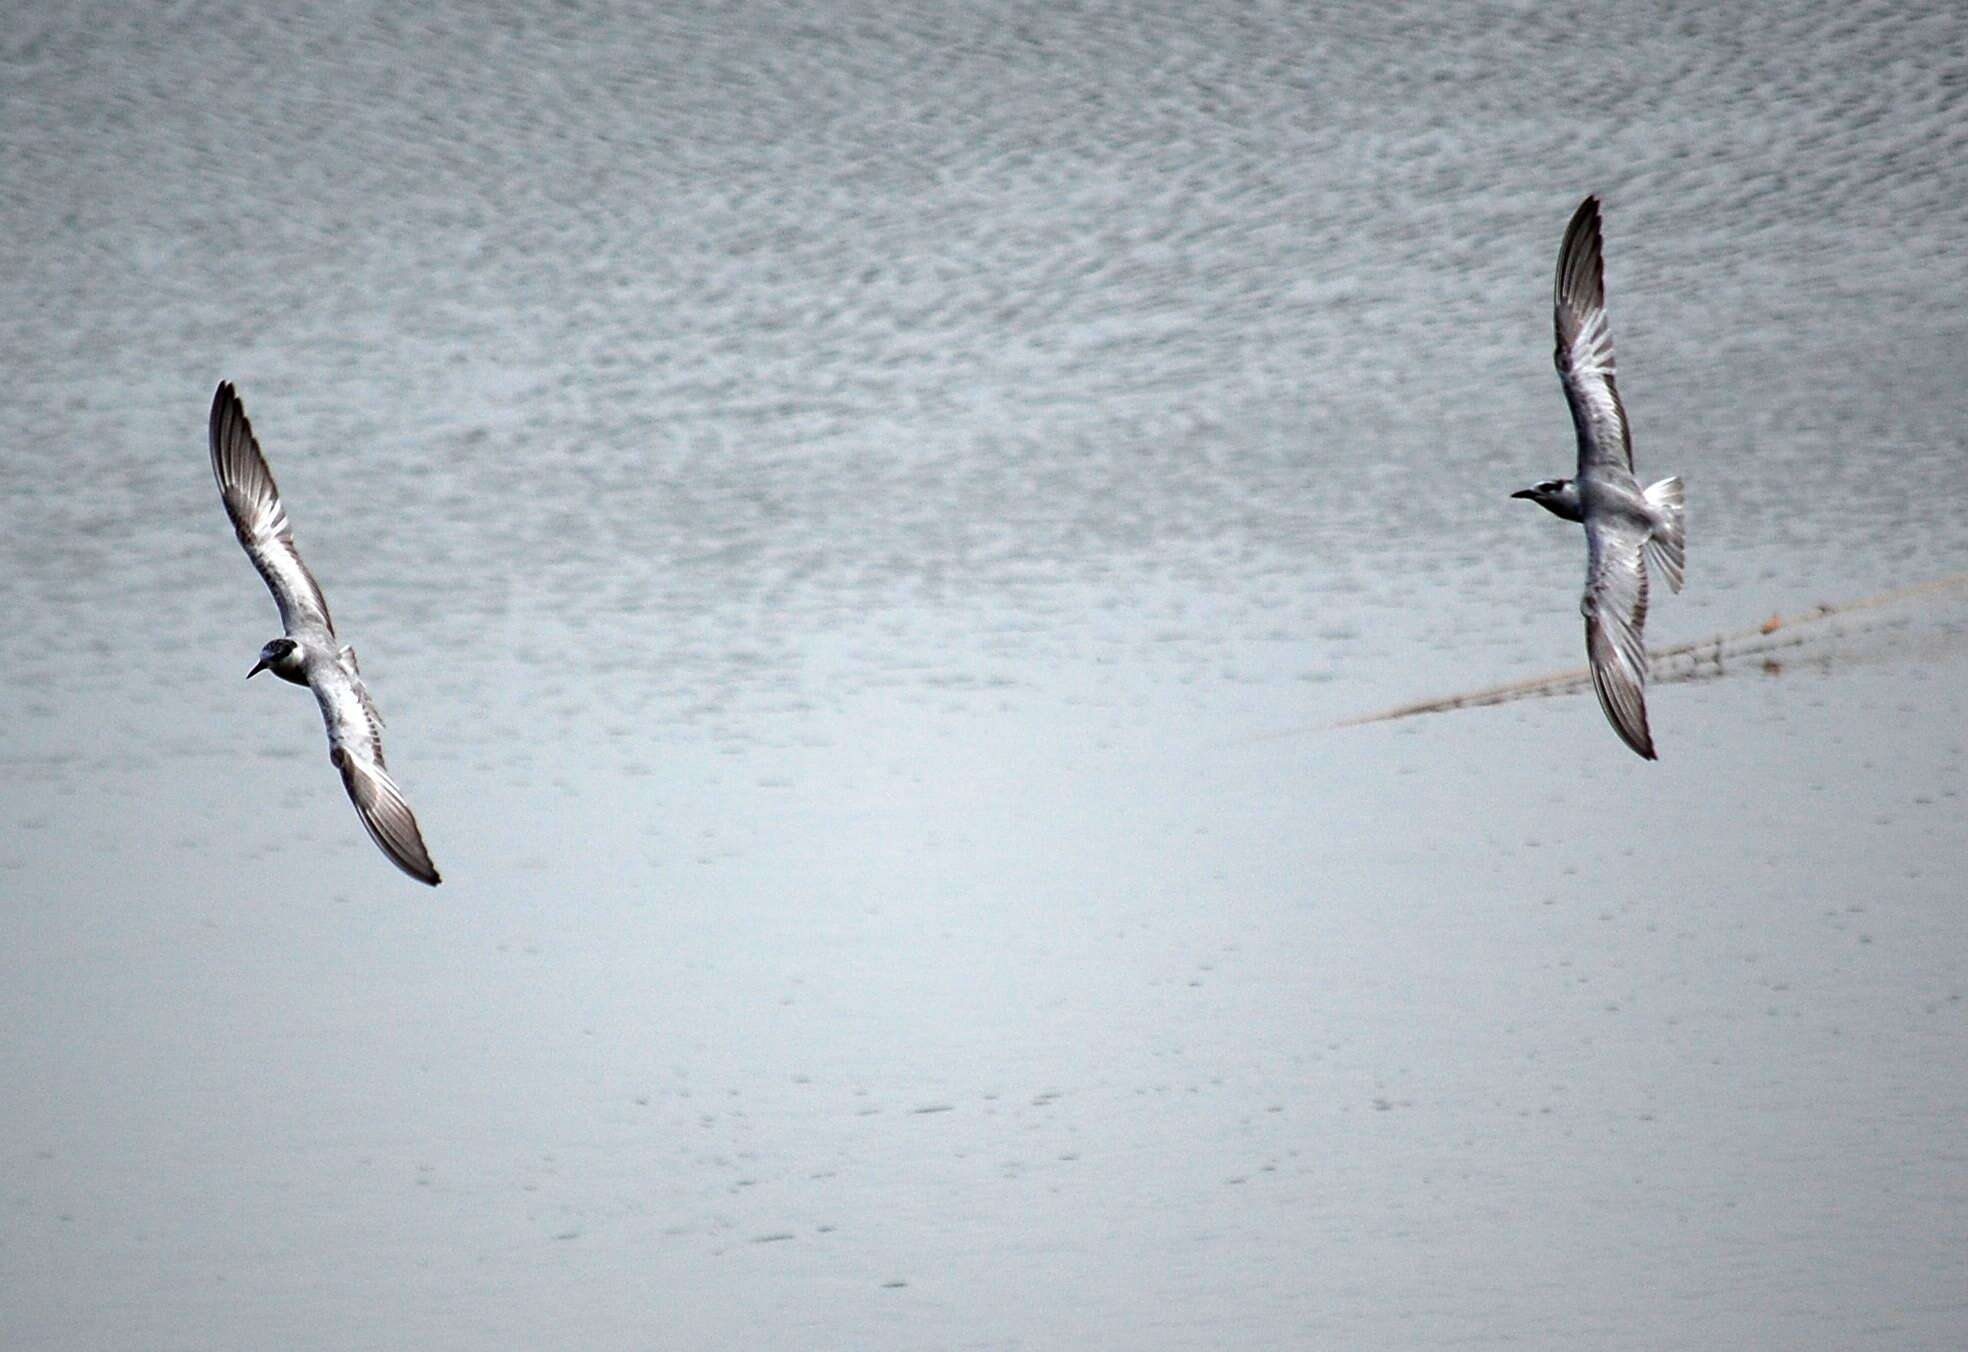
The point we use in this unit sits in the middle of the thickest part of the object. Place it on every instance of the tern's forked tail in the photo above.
(1669, 544)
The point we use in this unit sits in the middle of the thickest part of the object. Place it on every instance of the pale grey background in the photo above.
(861, 517)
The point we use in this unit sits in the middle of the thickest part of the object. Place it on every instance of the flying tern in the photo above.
(309, 653)
(1624, 524)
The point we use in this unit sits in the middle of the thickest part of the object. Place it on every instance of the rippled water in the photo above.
(861, 519)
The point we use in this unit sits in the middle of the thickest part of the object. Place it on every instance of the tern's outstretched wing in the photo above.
(1585, 346)
(1615, 610)
(253, 503)
(355, 746)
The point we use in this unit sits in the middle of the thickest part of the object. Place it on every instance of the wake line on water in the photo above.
(1682, 662)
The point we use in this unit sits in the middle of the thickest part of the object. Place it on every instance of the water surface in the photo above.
(861, 522)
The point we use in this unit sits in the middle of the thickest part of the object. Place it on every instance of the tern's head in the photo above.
(280, 656)
(1560, 497)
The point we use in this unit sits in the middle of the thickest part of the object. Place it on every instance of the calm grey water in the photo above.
(861, 518)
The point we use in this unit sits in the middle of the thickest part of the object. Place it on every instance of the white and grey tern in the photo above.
(1624, 524)
(309, 654)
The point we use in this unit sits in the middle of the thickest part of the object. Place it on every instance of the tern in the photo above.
(1623, 523)
(309, 653)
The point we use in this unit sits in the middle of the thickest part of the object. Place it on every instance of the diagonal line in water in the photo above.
(1683, 661)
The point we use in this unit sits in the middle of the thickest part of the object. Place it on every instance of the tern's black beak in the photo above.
(258, 667)
(1524, 493)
